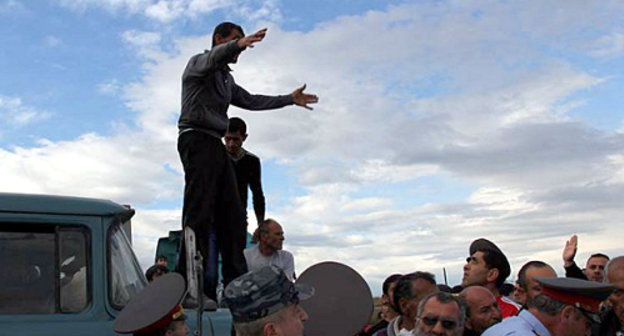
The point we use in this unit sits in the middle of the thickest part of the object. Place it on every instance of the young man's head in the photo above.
(594, 269)
(526, 286)
(271, 236)
(440, 314)
(387, 297)
(486, 266)
(481, 309)
(226, 32)
(264, 302)
(235, 136)
(409, 290)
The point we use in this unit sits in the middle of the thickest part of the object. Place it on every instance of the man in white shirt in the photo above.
(269, 251)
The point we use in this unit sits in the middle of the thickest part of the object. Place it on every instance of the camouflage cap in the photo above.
(262, 292)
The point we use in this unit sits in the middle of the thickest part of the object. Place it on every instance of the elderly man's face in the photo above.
(274, 237)
(291, 323)
(483, 309)
(594, 269)
(440, 319)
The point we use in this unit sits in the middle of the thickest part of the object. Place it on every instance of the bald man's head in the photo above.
(482, 309)
(615, 276)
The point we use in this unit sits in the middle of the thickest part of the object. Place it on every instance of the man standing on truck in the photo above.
(246, 167)
(212, 206)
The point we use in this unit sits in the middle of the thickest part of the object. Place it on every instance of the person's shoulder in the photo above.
(508, 327)
(251, 156)
(251, 249)
(285, 254)
(509, 304)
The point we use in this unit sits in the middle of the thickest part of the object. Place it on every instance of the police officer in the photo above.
(567, 306)
(155, 311)
(265, 302)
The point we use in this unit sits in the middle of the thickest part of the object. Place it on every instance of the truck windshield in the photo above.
(125, 276)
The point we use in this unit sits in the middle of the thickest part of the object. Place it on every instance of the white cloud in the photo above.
(11, 6)
(111, 87)
(166, 11)
(129, 168)
(611, 45)
(52, 41)
(14, 113)
(141, 39)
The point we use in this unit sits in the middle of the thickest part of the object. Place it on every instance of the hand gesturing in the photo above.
(249, 40)
(569, 251)
(303, 99)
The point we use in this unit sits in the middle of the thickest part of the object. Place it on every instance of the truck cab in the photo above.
(68, 267)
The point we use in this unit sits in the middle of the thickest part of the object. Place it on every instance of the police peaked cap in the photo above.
(582, 294)
(154, 308)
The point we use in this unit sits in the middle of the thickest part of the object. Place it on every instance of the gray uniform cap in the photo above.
(262, 292)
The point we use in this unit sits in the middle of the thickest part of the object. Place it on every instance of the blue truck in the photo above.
(68, 268)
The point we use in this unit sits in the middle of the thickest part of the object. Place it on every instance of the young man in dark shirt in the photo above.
(246, 166)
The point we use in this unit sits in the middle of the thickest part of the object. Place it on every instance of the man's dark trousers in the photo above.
(211, 201)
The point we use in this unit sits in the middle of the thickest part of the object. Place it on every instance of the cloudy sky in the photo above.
(439, 121)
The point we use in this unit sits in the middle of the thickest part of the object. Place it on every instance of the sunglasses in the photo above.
(433, 320)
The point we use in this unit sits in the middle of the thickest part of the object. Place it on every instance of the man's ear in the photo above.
(270, 329)
(245, 137)
(567, 313)
(492, 275)
(468, 323)
(218, 39)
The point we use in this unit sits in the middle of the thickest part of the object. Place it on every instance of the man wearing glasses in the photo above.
(566, 307)
(442, 314)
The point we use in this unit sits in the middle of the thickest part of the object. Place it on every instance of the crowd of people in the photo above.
(585, 302)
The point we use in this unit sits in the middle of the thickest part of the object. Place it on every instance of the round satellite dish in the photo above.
(342, 303)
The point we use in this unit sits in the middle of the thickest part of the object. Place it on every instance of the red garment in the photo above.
(507, 306)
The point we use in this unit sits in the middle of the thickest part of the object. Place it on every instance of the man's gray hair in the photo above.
(255, 328)
(445, 298)
(546, 305)
(616, 262)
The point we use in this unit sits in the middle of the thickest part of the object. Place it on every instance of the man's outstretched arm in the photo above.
(256, 102)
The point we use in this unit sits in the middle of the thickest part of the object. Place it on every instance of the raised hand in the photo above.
(303, 99)
(249, 40)
(569, 251)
